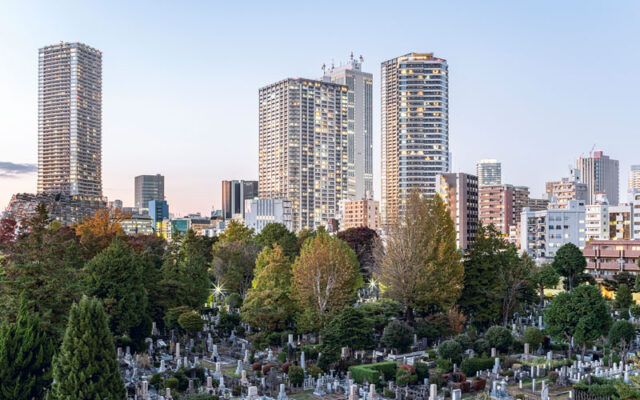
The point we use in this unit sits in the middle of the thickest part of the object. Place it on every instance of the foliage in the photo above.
(276, 233)
(444, 365)
(450, 350)
(234, 300)
(371, 372)
(621, 336)
(464, 340)
(325, 278)
(625, 277)
(499, 337)
(599, 387)
(115, 277)
(470, 366)
(269, 305)
(191, 322)
(379, 313)
(624, 298)
(172, 315)
(544, 277)
(398, 335)
(227, 322)
(350, 329)
(26, 352)
(481, 346)
(533, 336)
(234, 258)
(422, 370)
(569, 263)
(86, 366)
(514, 278)
(404, 377)
(362, 241)
(296, 375)
(635, 311)
(420, 266)
(97, 233)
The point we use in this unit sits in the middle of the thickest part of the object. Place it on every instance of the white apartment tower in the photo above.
(303, 135)
(359, 126)
(601, 174)
(70, 120)
(489, 172)
(634, 180)
(415, 129)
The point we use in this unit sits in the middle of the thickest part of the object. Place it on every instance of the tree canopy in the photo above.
(569, 263)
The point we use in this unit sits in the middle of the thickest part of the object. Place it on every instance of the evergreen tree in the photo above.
(26, 352)
(624, 298)
(569, 263)
(276, 233)
(234, 258)
(115, 277)
(544, 277)
(86, 368)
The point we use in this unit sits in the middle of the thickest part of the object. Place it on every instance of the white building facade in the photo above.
(258, 213)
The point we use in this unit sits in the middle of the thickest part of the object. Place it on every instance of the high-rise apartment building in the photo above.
(234, 195)
(303, 155)
(634, 180)
(520, 201)
(601, 174)
(559, 193)
(489, 172)
(415, 129)
(460, 192)
(70, 120)
(360, 213)
(496, 206)
(148, 188)
(359, 126)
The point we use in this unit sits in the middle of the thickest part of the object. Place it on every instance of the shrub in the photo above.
(314, 371)
(156, 380)
(422, 370)
(428, 331)
(471, 365)
(499, 337)
(234, 300)
(256, 366)
(479, 384)
(398, 335)
(267, 368)
(296, 375)
(285, 367)
(635, 311)
(464, 340)
(282, 357)
(481, 347)
(533, 336)
(404, 377)
(409, 368)
(432, 353)
(171, 383)
(371, 372)
(388, 393)
(450, 350)
(437, 380)
(444, 365)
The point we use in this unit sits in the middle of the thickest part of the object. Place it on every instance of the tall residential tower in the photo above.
(70, 120)
(601, 174)
(303, 137)
(415, 128)
(489, 172)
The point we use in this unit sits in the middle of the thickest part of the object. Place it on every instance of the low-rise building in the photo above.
(606, 258)
(567, 189)
(360, 213)
(138, 225)
(259, 212)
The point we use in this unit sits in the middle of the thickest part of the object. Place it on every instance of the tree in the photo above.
(296, 375)
(185, 275)
(234, 258)
(380, 312)
(362, 241)
(26, 352)
(350, 329)
(569, 263)
(624, 298)
(325, 278)
(450, 350)
(499, 337)
(514, 278)
(420, 266)
(620, 278)
(398, 335)
(8, 229)
(115, 277)
(544, 277)
(86, 365)
(276, 233)
(191, 322)
(97, 233)
(621, 337)
(269, 304)
(533, 336)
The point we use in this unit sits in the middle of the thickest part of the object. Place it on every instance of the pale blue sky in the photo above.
(533, 84)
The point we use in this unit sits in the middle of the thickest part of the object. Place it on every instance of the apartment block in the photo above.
(460, 192)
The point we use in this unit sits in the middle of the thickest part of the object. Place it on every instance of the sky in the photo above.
(534, 84)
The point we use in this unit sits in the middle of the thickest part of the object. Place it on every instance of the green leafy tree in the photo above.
(296, 375)
(269, 305)
(450, 350)
(635, 311)
(636, 286)
(499, 337)
(398, 335)
(621, 337)
(26, 353)
(569, 263)
(380, 312)
(515, 286)
(234, 258)
(612, 283)
(325, 278)
(151, 249)
(533, 336)
(276, 233)
(544, 277)
(420, 266)
(115, 277)
(86, 366)
(185, 274)
(624, 298)
(350, 329)
(191, 322)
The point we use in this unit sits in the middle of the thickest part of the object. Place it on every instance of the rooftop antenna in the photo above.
(324, 68)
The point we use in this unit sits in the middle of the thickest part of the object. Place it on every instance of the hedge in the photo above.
(371, 372)
(470, 366)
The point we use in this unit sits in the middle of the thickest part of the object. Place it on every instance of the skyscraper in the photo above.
(359, 127)
(489, 172)
(234, 194)
(415, 128)
(601, 174)
(70, 120)
(148, 188)
(303, 156)
(634, 178)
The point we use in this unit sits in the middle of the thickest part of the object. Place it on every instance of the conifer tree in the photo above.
(26, 352)
(86, 368)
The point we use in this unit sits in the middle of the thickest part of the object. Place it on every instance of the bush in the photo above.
(464, 340)
(256, 366)
(234, 300)
(479, 384)
(428, 331)
(398, 335)
(388, 393)
(499, 337)
(422, 370)
(371, 372)
(450, 350)
(534, 337)
(635, 311)
(314, 371)
(267, 368)
(437, 380)
(481, 347)
(404, 377)
(282, 357)
(285, 367)
(296, 375)
(171, 383)
(445, 366)
(471, 365)
(191, 321)
(156, 380)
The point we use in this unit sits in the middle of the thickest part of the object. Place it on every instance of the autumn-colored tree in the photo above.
(269, 305)
(325, 278)
(97, 233)
(7, 231)
(420, 266)
(362, 240)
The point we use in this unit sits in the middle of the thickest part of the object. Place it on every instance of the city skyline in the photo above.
(495, 109)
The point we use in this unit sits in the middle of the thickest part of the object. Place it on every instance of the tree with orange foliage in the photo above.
(97, 233)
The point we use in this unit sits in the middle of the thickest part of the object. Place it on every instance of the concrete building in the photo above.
(360, 213)
(234, 195)
(261, 212)
(520, 201)
(635, 204)
(496, 206)
(634, 181)
(138, 225)
(70, 121)
(561, 192)
(460, 192)
(303, 155)
(489, 172)
(68, 210)
(415, 129)
(158, 211)
(538, 204)
(621, 222)
(542, 233)
(606, 258)
(601, 174)
(360, 125)
(148, 188)
(597, 219)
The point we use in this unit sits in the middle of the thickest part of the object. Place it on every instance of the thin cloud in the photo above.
(12, 170)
